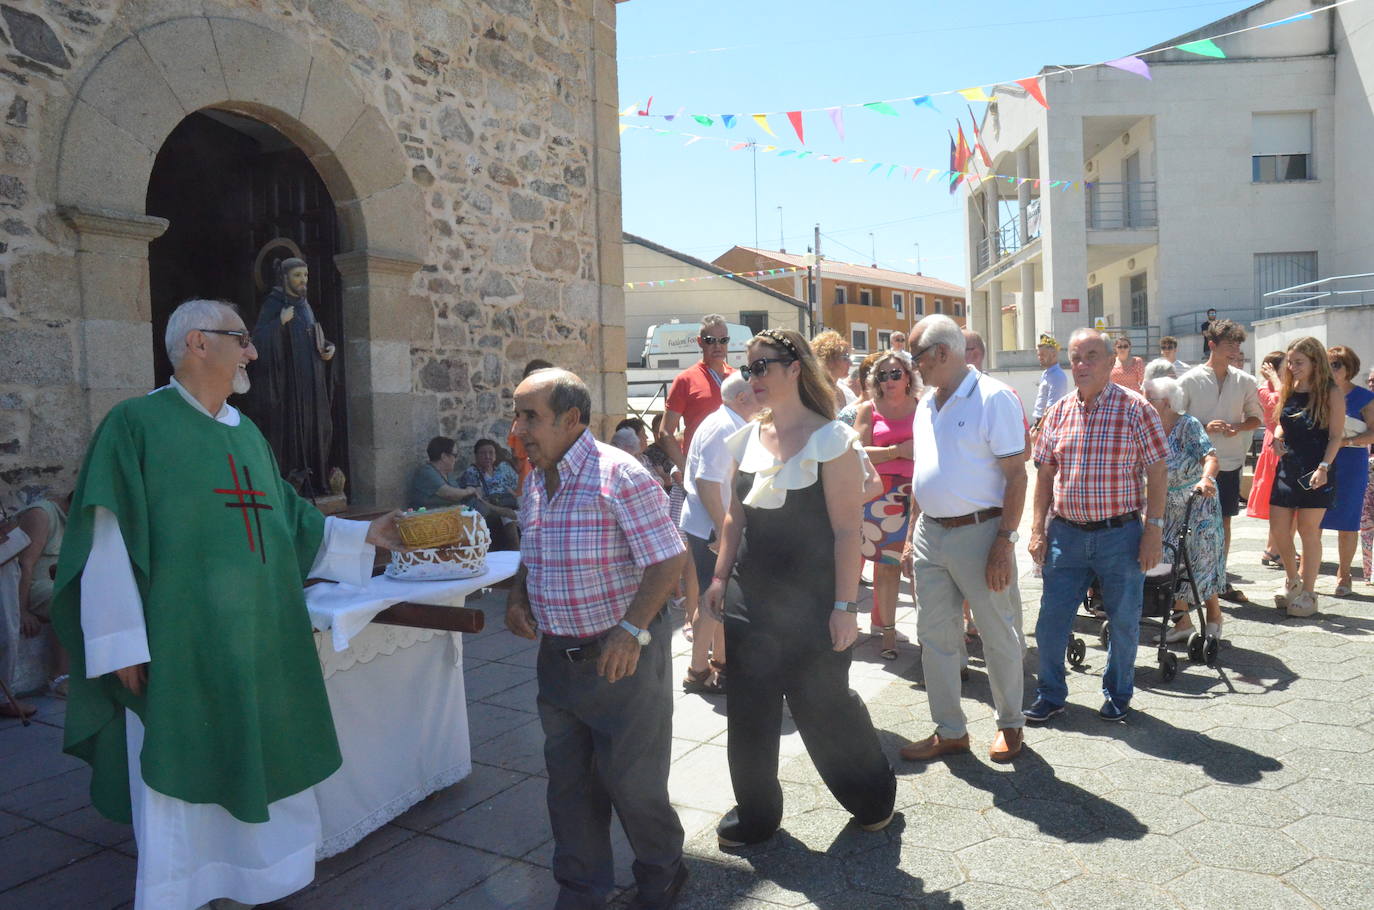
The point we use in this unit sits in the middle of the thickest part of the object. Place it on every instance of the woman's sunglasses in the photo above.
(760, 366)
(885, 375)
(711, 339)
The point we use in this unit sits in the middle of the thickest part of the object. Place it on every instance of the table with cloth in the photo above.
(397, 697)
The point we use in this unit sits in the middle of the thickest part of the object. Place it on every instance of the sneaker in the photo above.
(1110, 710)
(1305, 604)
(1290, 589)
(1042, 710)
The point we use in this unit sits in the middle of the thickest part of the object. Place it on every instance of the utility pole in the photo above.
(817, 305)
(918, 257)
(782, 243)
(873, 249)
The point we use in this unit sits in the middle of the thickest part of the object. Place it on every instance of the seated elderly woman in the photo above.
(1193, 467)
(433, 484)
(498, 486)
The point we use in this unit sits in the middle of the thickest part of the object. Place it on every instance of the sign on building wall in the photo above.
(1069, 305)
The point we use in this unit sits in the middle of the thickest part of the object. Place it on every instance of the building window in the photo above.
(884, 340)
(865, 297)
(918, 305)
(958, 308)
(841, 295)
(939, 305)
(858, 337)
(1276, 271)
(757, 321)
(1140, 300)
(1281, 147)
(897, 302)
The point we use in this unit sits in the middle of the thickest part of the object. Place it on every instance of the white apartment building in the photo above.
(1211, 183)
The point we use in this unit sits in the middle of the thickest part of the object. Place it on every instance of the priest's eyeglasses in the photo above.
(244, 338)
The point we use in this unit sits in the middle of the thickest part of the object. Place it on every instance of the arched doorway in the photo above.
(237, 194)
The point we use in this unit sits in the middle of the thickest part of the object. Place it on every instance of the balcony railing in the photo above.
(1122, 206)
(1007, 241)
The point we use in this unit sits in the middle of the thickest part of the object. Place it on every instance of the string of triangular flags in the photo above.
(891, 107)
(761, 273)
(887, 170)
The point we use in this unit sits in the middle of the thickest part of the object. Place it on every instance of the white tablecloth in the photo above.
(397, 697)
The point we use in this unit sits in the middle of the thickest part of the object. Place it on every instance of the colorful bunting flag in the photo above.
(728, 120)
(703, 119)
(1204, 48)
(795, 118)
(837, 118)
(1131, 65)
(925, 100)
(881, 107)
(762, 121)
(648, 104)
(1032, 87)
(974, 94)
(1298, 18)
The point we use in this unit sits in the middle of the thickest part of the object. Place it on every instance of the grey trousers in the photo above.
(608, 745)
(950, 566)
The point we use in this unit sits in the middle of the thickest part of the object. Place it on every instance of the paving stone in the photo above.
(421, 873)
(968, 790)
(1328, 736)
(1331, 838)
(1046, 819)
(700, 779)
(36, 851)
(515, 885)
(1334, 885)
(699, 719)
(484, 782)
(1069, 785)
(89, 825)
(511, 823)
(486, 679)
(496, 647)
(489, 721)
(985, 896)
(1345, 801)
(794, 877)
(1227, 889)
(1156, 776)
(1328, 765)
(1019, 863)
(1152, 858)
(1101, 893)
(520, 749)
(105, 879)
(1263, 742)
(943, 827)
(906, 872)
(12, 823)
(517, 698)
(1246, 805)
(1079, 752)
(374, 845)
(1159, 813)
(1243, 847)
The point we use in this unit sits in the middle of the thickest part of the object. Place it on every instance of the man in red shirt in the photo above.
(1100, 458)
(695, 393)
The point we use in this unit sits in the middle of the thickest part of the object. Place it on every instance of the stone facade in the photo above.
(471, 150)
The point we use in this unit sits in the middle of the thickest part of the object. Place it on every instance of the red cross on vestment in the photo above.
(245, 499)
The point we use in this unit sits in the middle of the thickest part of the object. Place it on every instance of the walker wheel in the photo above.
(1210, 650)
(1168, 667)
(1195, 648)
(1077, 651)
(1104, 634)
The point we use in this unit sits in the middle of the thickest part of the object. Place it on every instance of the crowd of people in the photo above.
(755, 504)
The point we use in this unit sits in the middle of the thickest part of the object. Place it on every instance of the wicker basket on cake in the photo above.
(449, 543)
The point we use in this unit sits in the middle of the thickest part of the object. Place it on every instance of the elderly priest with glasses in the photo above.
(196, 693)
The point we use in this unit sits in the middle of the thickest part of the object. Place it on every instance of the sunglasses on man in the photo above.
(711, 339)
(760, 366)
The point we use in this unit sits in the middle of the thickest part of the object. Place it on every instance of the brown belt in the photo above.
(972, 518)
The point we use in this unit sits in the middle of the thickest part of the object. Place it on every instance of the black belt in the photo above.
(972, 518)
(1116, 521)
(577, 653)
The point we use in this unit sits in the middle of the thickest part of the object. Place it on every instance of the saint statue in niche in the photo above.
(292, 381)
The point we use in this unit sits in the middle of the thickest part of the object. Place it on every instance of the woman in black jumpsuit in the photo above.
(790, 622)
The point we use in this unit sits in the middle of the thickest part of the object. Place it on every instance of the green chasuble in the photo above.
(235, 708)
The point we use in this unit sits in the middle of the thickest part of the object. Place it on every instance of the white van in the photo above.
(673, 345)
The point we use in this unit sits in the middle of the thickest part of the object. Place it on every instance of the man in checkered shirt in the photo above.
(599, 555)
(1100, 455)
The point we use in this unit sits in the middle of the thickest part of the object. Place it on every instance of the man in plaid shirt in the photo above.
(1100, 455)
(599, 555)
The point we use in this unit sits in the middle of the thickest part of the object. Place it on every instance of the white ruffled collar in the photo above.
(773, 478)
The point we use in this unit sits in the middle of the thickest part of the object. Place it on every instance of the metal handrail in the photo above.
(1307, 300)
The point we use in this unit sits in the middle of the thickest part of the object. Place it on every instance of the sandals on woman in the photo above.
(699, 682)
(889, 653)
(1271, 560)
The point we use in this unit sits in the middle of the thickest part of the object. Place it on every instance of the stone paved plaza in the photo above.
(1250, 786)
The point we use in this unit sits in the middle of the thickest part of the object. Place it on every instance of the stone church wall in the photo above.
(505, 154)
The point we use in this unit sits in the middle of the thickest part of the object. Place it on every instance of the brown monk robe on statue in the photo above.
(292, 381)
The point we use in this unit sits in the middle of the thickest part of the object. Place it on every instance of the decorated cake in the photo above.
(450, 543)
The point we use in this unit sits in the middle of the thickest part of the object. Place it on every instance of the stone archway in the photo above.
(124, 108)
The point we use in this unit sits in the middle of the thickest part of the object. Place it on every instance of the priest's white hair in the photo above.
(189, 316)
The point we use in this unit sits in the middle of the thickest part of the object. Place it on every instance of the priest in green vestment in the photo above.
(196, 693)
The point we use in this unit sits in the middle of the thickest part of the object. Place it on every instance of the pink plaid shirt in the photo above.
(1100, 453)
(585, 550)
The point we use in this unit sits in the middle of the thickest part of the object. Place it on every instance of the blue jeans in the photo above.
(1074, 558)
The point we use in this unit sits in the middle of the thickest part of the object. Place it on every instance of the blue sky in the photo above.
(781, 56)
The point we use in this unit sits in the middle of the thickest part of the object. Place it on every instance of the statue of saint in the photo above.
(292, 381)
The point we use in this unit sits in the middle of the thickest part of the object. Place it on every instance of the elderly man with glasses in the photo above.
(695, 392)
(195, 690)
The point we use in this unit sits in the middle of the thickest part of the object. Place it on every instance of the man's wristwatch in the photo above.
(846, 606)
(640, 635)
(1011, 536)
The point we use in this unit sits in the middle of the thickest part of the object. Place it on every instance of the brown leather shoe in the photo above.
(933, 746)
(1007, 745)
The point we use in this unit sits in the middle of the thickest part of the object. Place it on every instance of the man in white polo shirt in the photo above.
(969, 489)
(703, 520)
(1225, 400)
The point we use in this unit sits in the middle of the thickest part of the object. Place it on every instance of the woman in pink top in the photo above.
(1257, 503)
(884, 427)
(1128, 372)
